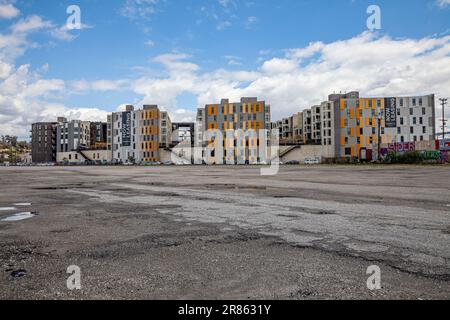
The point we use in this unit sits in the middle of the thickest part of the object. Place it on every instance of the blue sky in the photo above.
(179, 54)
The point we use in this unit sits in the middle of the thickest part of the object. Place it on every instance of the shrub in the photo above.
(413, 157)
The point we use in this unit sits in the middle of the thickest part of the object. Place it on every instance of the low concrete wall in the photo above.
(76, 158)
(307, 152)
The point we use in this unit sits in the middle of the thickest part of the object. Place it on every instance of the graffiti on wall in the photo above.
(431, 155)
(398, 147)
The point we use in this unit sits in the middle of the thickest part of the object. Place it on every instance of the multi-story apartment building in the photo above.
(98, 135)
(165, 130)
(278, 126)
(248, 115)
(134, 135)
(307, 125)
(43, 142)
(363, 124)
(200, 126)
(290, 129)
(316, 125)
(297, 128)
(327, 126)
(72, 135)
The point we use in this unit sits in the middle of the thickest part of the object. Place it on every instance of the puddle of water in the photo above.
(19, 273)
(24, 204)
(7, 209)
(19, 217)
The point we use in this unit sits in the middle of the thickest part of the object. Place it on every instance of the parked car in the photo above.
(293, 163)
(312, 161)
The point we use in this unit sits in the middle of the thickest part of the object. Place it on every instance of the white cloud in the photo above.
(64, 33)
(250, 22)
(26, 98)
(139, 9)
(83, 86)
(222, 25)
(233, 60)
(30, 24)
(376, 66)
(277, 66)
(150, 43)
(223, 14)
(290, 82)
(443, 3)
(8, 11)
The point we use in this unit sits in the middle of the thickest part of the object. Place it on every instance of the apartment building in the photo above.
(200, 127)
(43, 142)
(316, 125)
(134, 135)
(72, 135)
(363, 124)
(297, 128)
(99, 135)
(165, 130)
(307, 126)
(248, 115)
(290, 129)
(327, 135)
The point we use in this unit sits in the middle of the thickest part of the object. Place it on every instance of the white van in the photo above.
(312, 161)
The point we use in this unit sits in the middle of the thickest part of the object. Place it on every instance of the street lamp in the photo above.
(443, 103)
(379, 134)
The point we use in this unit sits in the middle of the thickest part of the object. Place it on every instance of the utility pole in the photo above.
(443, 103)
(379, 116)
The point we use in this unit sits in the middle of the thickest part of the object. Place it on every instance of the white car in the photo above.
(312, 161)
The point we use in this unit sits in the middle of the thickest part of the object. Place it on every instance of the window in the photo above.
(424, 112)
(414, 120)
(399, 130)
(401, 102)
(420, 101)
(424, 129)
(411, 129)
(398, 112)
(348, 151)
(414, 102)
(402, 121)
(402, 139)
(411, 111)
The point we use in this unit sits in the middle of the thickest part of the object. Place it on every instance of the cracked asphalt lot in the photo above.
(226, 232)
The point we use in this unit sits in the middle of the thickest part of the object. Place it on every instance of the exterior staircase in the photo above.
(288, 150)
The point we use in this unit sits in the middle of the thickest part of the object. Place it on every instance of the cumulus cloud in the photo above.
(290, 82)
(26, 98)
(376, 66)
(8, 11)
(30, 24)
